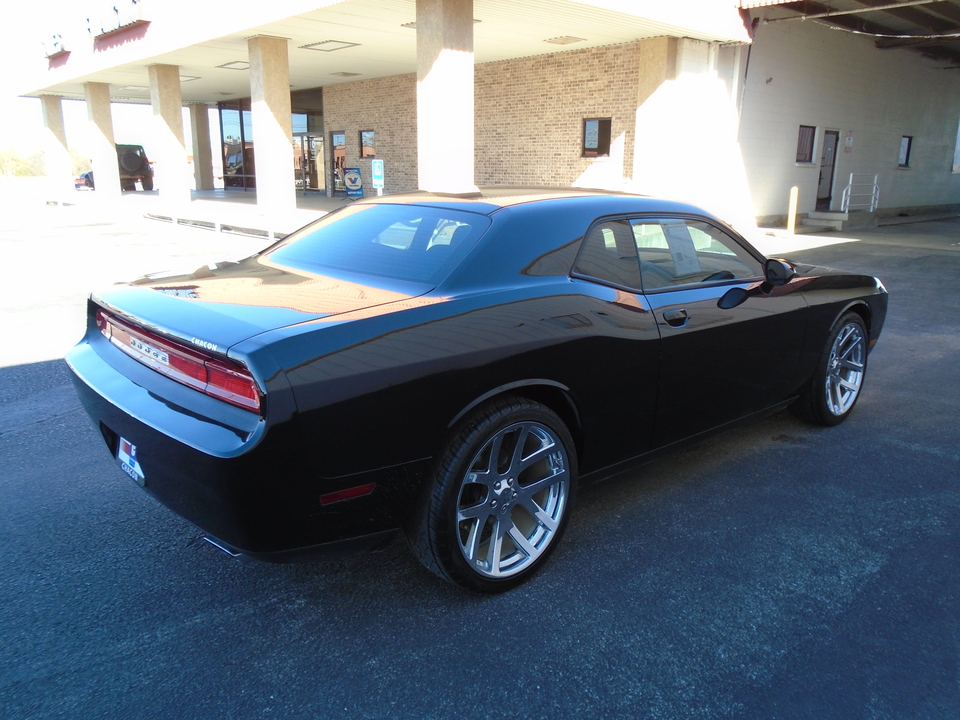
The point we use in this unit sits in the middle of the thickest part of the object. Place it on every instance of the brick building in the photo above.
(724, 103)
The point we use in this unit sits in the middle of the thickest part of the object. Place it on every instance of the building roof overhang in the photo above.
(928, 27)
(358, 39)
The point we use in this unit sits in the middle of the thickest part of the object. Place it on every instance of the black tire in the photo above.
(473, 500)
(831, 394)
(147, 183)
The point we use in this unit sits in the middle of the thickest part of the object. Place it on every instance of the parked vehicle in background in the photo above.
(134, 167)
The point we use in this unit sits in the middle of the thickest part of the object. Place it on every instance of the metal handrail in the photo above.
(863, 189)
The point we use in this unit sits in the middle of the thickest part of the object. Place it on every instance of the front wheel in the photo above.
(833, 390)
(500, 499)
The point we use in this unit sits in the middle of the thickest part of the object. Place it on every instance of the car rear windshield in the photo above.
(402, 242)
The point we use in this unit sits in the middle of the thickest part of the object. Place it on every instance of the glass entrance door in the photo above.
(338, 140)
(308, 162)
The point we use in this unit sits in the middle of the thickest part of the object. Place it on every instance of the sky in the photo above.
(21, 119)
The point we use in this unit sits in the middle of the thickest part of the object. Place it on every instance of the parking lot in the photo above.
(777, 571)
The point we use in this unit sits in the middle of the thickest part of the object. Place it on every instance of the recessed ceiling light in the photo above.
(344, 74)
(413, 25)
(189, 78)
(134, 88)
(329, 45)
(565, 40)
(235, 65)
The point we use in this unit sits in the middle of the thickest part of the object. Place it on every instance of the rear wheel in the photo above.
(147, 182)
(836, 383)
(501, 497)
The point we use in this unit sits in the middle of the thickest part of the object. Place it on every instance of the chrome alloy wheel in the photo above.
(845, 368)
(512, 499)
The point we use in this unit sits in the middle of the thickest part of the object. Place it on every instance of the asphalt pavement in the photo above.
(777, 571)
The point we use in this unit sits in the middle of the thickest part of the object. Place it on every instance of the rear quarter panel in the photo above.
(390, 386)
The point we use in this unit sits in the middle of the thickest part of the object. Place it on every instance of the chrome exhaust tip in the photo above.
(237, 555)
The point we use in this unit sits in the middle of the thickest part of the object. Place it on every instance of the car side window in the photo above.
(676, 252)
(609, 254)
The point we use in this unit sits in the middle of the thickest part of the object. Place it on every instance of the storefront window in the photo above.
(236, 127)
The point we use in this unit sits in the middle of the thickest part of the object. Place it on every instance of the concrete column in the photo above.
(172, 176)
(686, 130)
(658, 63)
(106, 173)
(202, 155)
(445, 116)
(272, 117)
(56, 152)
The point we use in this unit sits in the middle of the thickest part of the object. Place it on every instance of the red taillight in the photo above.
(218, 378)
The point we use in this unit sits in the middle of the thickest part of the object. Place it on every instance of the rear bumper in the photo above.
(254, 490)
(323, 551)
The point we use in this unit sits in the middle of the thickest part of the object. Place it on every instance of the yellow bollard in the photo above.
(792, 211)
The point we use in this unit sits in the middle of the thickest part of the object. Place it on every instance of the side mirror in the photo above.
(779, 272)
(732, 298)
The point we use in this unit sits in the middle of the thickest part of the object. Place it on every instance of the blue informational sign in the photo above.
(376, 169)
(353, 181)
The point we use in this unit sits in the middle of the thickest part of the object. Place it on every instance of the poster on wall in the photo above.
(354, 182)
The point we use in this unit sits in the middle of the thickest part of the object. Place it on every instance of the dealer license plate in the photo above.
(127, 457)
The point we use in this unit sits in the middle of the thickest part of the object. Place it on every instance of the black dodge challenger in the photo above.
(453, 367)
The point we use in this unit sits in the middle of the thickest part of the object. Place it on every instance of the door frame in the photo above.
(304, 138)
(823, 204)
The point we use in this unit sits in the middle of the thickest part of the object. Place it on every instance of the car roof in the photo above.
(489, 199)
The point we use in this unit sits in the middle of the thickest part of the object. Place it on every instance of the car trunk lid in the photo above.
(217, 306)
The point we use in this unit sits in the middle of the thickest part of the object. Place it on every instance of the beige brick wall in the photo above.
(388, 106)
(529, 115)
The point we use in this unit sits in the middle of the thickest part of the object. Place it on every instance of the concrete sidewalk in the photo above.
(233, 211)
(237, 212)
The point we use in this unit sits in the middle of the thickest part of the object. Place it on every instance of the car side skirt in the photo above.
(619, 468)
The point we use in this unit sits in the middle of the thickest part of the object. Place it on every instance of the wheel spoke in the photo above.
(833, 396)
(854, 346)
(521, 541)
(516, 461)
(493, 461)
(472, 544)
(844, 336)
(543, 483)
(534, 457)
(541, 515)
(496, 547)
(473, 512)
(851, 365)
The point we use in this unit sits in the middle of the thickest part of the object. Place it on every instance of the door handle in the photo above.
(676, 318)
